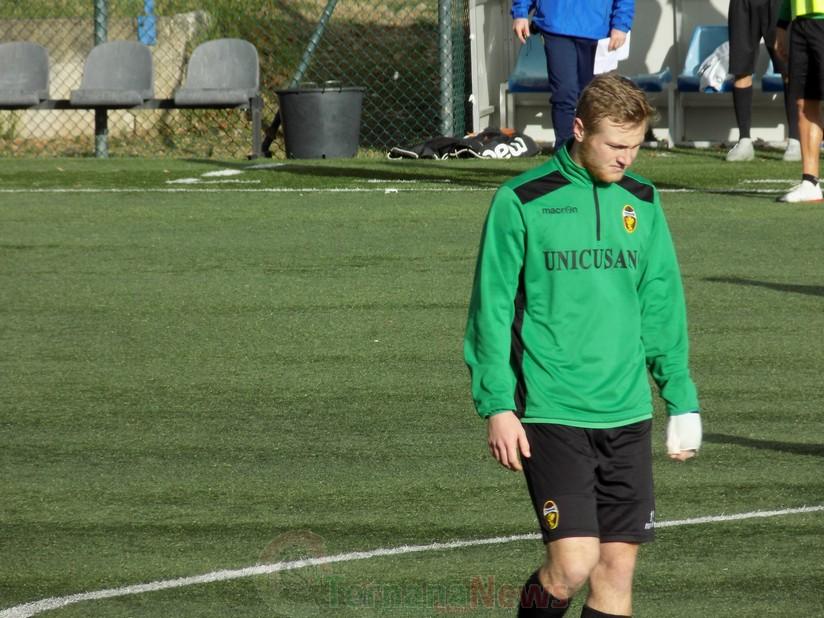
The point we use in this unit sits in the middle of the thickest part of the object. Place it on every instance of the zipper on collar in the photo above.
(597, 213)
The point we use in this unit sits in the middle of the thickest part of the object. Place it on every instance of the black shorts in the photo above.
(592, 482)
(750, 21)
(807, 59)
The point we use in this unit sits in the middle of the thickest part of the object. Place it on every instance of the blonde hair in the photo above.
(613, 97)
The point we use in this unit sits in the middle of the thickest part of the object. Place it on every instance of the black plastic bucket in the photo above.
(321, 123)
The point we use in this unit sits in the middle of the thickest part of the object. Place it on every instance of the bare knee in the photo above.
(569, 565)
(810, 110)
(615, 571)
(611, 579)
(620, 558)
(564, 580)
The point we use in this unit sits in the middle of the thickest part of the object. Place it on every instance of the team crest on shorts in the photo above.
(551, 514)
(630, 219)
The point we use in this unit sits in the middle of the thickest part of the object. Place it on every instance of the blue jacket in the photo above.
(588, 19)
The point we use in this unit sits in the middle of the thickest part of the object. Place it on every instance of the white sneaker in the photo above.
(804, 192)
(793, 151)
(742, 151)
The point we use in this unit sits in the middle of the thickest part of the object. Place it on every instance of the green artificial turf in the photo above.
(215, 374)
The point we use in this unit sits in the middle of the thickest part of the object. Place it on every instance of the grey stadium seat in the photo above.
(24, 73)
(221, 72)
(116, 73)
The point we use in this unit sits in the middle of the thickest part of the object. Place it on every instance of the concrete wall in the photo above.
(660, 37)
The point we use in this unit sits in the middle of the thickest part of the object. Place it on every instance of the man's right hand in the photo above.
(781, 44)
(507, 439)
(521, 28)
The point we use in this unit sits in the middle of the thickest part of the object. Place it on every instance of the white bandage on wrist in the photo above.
(684, 433)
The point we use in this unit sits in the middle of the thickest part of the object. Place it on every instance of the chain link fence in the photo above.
(412, 58)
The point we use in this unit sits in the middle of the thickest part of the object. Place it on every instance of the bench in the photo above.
(221, 74)
(704, 40)
(530, 76)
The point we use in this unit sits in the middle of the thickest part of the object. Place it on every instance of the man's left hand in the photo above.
(684, 436)
(616, 39)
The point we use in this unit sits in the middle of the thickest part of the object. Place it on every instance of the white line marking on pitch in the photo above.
(767, 181)
(258, 190)
(198, 181)
(726, 191)
(265, 166)
(226, 172)
(411, 189)
(30, 609)
(409, 181)
(215, 173)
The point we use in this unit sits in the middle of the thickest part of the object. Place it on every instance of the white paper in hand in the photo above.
(606, 60)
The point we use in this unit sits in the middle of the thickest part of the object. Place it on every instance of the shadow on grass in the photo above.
(719, 151)
(817, 450)
(476, 173)
(469, 172)
(810, 290)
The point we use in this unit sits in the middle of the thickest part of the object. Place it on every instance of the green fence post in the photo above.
(314, 41)
(458, 68)
(101, 119)
(446, 58)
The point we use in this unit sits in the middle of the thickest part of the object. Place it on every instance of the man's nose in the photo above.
(625, 157)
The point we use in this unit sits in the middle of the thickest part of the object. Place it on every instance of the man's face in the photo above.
(608, 149)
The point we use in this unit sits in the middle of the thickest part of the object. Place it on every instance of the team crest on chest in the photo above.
(630, 219)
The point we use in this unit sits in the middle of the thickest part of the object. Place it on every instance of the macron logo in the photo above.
(564, 210)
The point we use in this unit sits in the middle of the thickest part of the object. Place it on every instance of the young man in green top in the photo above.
(805, 54)
(577, 295)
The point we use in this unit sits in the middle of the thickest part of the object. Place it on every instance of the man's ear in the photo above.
(578, 130)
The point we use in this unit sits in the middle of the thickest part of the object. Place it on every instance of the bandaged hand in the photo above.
(684, 436)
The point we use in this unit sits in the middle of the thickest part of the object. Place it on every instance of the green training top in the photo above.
(577, 292)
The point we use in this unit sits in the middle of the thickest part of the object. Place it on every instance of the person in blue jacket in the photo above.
(571, 30)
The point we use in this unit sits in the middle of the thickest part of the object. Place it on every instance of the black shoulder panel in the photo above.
(638, 189)
(539, 187)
